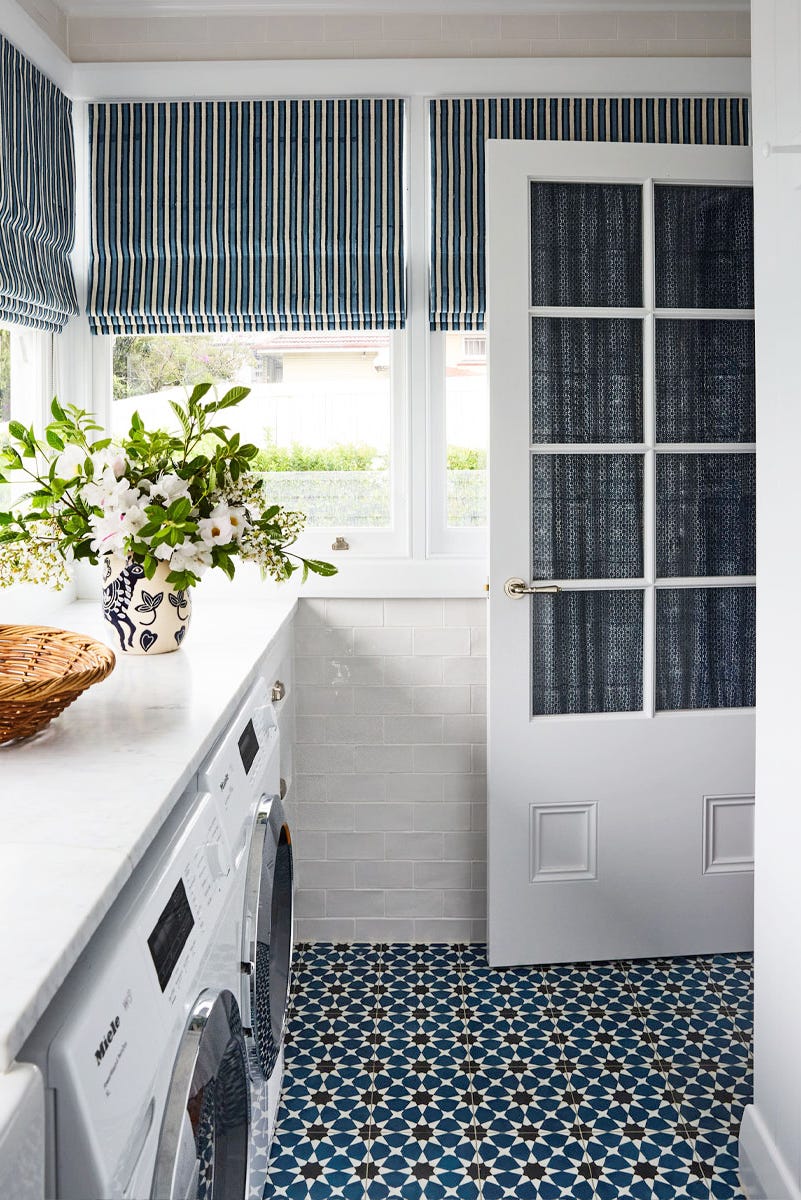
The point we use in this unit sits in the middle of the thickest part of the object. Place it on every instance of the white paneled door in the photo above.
(622, 556)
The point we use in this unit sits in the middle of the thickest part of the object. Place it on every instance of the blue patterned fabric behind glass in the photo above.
(705, 514)
(705, 381)
(587, 652)
(704, 246)
(705, 648)
(586, 244)
(586, 515)
(586, 380)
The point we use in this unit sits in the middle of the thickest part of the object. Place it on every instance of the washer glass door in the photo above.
(268, 933)
(205, 1134)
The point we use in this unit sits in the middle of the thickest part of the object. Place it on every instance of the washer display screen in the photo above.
(169, 936)
(248, 746)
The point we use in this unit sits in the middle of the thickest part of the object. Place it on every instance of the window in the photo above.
(459, 428)
(25, 381)
(25, 375)
(475, 347)
(321, 410)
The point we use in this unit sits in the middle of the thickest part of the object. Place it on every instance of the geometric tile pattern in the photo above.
(416, 1071)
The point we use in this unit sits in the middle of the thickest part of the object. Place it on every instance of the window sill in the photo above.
(374, 578)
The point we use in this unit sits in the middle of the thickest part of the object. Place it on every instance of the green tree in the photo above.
(144, 364)
(5, 375)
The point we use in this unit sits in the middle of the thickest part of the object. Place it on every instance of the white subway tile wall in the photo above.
(196, 35)
(388, 802)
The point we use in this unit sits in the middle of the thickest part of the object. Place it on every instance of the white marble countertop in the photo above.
(81, 802)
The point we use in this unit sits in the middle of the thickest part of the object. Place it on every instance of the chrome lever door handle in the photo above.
(519, 587)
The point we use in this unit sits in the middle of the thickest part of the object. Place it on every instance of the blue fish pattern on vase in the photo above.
(135, 607)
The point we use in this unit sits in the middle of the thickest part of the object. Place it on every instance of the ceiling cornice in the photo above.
(122, 8)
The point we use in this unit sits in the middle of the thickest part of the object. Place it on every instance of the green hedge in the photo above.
(345, 499)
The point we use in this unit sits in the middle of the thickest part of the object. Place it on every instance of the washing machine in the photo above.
(152, 1089)
(247, 761)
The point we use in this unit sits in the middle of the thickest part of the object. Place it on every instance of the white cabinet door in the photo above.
(622, 484)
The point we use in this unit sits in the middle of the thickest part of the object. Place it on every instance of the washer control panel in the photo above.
(241, 768)
(116, 1047)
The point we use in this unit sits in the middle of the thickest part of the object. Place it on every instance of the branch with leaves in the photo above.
(189, 498)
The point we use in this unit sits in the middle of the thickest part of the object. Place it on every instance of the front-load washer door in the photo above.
(267, 928)
(205, 1132)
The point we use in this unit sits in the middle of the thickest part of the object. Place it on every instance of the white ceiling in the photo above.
(74, 8)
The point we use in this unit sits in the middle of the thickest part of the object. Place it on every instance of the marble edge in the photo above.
(17, 1029)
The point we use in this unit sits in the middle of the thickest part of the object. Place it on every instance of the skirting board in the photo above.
(763, 1172)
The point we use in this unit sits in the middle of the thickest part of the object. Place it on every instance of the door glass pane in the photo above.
(587, 516)
(705, 514)
(587, 652)
(705, 381)
(586, 244)
(704, 246)
(705, 648)
(586, 380)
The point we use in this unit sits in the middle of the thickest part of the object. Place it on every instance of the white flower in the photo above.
(191, 557)
(69, 463)
(164, 551)
(109, 492)
(218, 529)
(114, 528)
(134, 518)
(238, 522)
(110, 533)
(113, 457)
(169, 488)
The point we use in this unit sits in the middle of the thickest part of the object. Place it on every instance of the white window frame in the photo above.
(433, 563)
(443, 539)
(32, 373)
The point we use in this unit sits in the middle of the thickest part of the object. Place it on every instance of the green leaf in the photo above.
(180, 509)
(178, 409)
(17, 430)
(53, 439)
(199, 391)
(57, 410)
(232, 397)
(321, 568)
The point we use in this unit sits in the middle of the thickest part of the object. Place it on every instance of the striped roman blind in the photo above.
(459, 128)
(246, 215)
(37, 196)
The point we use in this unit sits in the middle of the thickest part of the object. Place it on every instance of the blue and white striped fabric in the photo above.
(37, 196)
(459, 129)
(246, 215)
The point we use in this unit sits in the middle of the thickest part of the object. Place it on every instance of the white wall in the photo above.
(388, 802)
(771, 1135)
(391, 32)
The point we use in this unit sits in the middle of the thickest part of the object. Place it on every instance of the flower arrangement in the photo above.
(190, 499)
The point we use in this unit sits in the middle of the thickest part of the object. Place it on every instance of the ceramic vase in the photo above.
(149, 616)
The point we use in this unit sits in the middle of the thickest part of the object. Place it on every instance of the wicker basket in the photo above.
(42, 670)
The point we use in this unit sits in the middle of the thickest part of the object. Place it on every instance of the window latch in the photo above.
(340, 544)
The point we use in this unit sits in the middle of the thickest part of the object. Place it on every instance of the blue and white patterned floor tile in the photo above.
(418, 1073)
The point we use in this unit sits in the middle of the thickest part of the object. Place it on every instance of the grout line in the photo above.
(377, 999)
(464, 1004)
(586, 1160)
